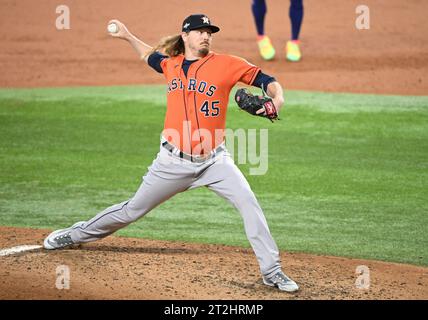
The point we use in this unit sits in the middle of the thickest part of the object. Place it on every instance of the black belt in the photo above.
(189, 157)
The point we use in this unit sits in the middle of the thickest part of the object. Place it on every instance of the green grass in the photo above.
(348, 173)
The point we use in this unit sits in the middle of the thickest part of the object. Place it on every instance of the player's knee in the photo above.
(133, 212)
(246, 199)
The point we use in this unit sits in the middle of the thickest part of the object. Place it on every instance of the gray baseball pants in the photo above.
(168, 175)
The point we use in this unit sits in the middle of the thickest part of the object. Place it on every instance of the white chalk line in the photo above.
(18, 249)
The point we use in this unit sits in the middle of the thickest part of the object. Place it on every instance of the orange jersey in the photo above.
(197, 104)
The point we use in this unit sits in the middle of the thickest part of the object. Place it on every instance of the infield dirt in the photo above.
(127, 268)
(391, 57)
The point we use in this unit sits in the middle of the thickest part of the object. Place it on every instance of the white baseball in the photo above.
(112, 28)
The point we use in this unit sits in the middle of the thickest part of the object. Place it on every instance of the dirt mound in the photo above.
(126, 268)
(391, 57)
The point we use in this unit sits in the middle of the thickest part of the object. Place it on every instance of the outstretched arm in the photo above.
(140, 47)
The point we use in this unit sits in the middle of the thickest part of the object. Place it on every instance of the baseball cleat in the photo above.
(293, 51)
(60, 238)
(267, 51)
(281, 281)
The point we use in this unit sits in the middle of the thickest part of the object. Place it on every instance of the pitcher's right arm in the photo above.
(123, 33)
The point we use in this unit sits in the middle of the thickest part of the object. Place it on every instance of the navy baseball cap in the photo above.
(198, 21)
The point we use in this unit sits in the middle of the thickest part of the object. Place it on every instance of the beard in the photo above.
(204, 51)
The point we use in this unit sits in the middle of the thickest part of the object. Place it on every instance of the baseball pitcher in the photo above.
(192, 150)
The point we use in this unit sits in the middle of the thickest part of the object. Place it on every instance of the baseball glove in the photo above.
(254, 104)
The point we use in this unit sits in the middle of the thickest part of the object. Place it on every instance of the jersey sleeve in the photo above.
(157, 61)
(262, 81)
(241, 70)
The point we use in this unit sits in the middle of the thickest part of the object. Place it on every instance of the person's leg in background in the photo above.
(259, 9)
(296, 18)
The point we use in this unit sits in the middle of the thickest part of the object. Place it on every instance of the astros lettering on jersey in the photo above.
(197, 104)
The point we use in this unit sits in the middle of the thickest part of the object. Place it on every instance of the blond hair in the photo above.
(170, 45)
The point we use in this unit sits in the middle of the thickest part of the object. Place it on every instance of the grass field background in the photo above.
(348, 173)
